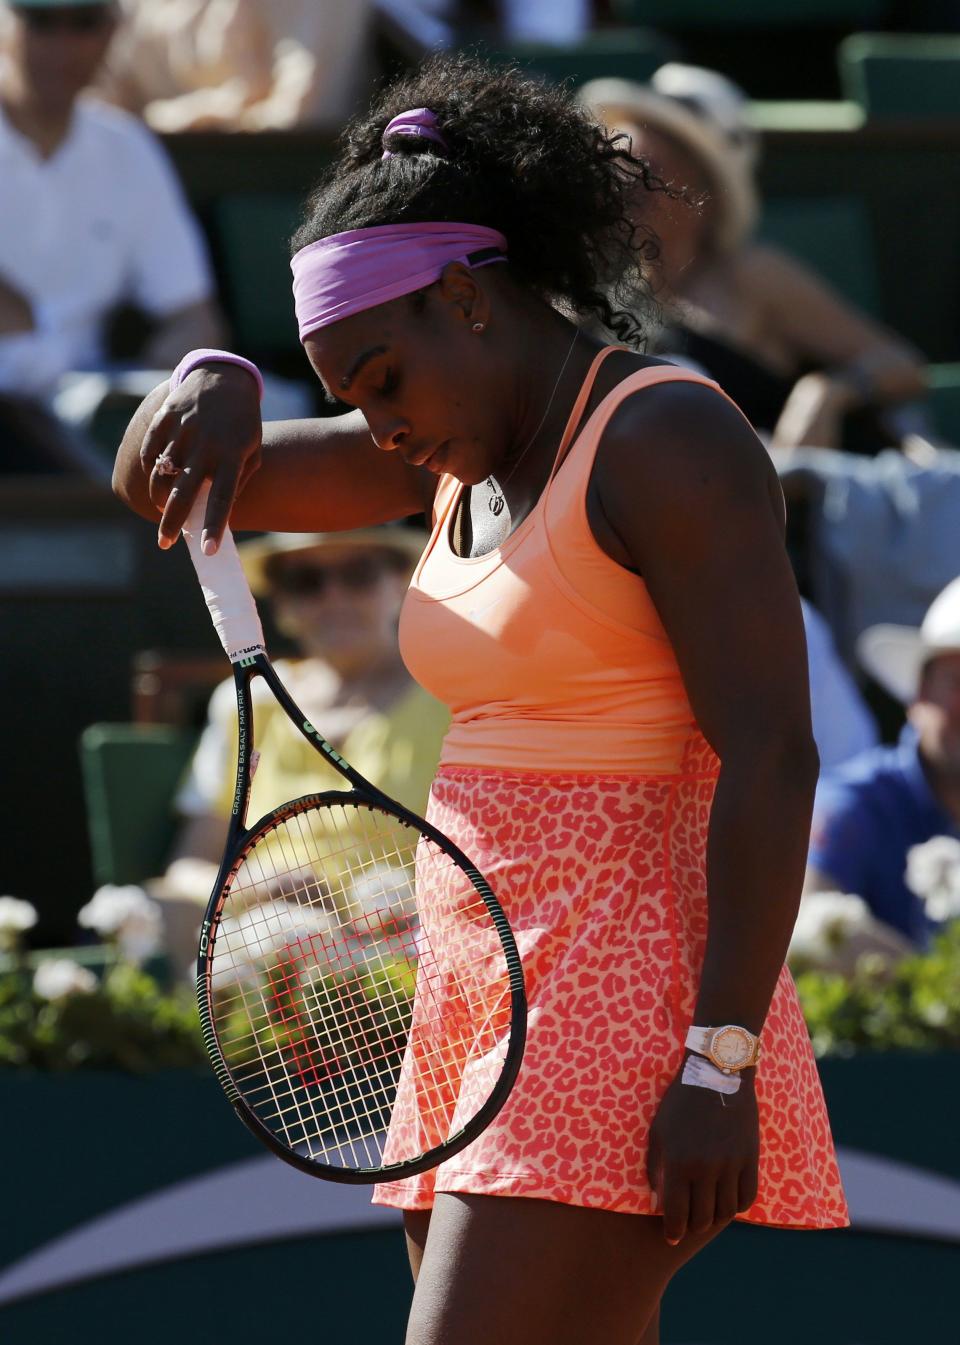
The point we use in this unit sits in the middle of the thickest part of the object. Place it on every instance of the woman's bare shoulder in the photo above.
(678, 436)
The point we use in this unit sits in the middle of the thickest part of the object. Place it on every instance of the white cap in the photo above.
(895, 655)
(712, 95)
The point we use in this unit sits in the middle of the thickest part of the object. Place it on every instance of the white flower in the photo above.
(61, 977)
(110, 906)
(276, 924)
(141, 934)
(933, 873)
(126, 914)
(383, 887)
(825, 922)
(247, 943)
(943, 906)
(16, 916)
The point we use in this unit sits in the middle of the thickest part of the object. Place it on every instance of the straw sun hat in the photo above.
(693, 124)
(895, 656)
(259, 554)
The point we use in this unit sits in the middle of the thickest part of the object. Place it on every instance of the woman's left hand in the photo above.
(703, 1155)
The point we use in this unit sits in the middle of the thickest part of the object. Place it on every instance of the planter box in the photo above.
(138, 1208)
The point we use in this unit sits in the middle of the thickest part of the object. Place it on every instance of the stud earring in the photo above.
(477, 327)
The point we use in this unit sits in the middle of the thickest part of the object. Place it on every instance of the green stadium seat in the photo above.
(804, 114)
(833, 235)
(625, 54)
(902, 78)
(130, 773)
(671, 14)
(253, 231)
(944, 400)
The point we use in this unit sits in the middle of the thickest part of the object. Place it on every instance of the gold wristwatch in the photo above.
(730, 1048)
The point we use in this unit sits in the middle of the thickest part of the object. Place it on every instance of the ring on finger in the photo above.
(165, 466)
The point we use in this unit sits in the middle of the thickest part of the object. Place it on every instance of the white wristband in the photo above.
(701, 1074)
(194, 358)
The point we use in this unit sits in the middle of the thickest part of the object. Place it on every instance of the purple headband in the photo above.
(361, 268)
(419, 121)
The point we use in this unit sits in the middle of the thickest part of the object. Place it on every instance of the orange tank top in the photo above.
(550, 655)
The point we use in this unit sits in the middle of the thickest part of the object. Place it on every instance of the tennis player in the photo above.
(606, 606)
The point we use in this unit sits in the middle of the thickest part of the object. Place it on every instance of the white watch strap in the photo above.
(698, 1039)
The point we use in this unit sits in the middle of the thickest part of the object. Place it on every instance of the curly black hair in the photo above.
(523, 158)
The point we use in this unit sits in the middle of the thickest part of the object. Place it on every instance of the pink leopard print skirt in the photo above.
(603, 881)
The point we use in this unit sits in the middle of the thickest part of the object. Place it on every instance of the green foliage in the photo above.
(129, 1023)
(914, 1006)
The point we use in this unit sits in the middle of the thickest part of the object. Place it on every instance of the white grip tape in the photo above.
(225, 588)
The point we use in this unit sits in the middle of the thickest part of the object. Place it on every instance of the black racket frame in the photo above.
(239, 838)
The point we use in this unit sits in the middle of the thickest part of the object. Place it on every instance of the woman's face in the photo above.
(681, 226)
(426, 383)
(340, 603)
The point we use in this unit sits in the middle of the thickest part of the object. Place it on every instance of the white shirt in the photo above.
(102, 221)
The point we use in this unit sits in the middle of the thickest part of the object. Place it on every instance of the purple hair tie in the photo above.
(418, 121)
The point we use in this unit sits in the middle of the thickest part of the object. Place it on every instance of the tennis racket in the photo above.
(360, 991)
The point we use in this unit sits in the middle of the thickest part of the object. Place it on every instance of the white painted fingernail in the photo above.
(207, 545)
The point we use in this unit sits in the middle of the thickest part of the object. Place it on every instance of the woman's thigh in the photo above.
(535, 1272)
(416, 1226)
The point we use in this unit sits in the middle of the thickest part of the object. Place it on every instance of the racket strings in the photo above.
(360, 993)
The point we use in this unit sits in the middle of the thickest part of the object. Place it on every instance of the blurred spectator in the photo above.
(842, 725)
(806, 367)
(881, 536)
(241, 65)
(337, 596)
(558, 22)
(874, 810)
(555, 23)
(93, 216)
(419, 25)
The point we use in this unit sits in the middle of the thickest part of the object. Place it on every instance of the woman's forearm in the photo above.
(328, 475)
(883, 376)
(307, 475)
(756, 856)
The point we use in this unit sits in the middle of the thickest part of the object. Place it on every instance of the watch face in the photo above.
(732, 1048)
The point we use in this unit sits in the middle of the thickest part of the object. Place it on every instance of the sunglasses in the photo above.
(74, 19)
(312, 581)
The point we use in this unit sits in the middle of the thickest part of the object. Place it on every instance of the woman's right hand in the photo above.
(209, 428)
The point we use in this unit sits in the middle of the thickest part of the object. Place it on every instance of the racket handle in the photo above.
(225, 588)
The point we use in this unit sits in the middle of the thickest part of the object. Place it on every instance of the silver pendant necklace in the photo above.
(496, 501)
